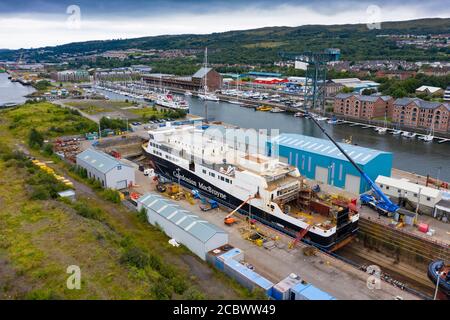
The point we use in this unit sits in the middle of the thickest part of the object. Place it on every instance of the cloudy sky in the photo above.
(36, 23)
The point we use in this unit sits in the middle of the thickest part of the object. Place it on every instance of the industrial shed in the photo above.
(111, 172)
(196, 234)
(320, 160)
(426, 197)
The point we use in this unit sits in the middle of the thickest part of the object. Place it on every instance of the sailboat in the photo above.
(430, 136)
(382, 130)
(207, 95)
(237, 94)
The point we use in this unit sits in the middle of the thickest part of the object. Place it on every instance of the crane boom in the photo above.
(383, 202)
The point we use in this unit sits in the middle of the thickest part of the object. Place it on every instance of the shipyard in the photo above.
(261, 165)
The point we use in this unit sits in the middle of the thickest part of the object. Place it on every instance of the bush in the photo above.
(35, 139)
(48, 149)
(135, 257)
(142, 215)
(161, 289)
(111, 195)
(193, 294)
(178, 284)
(87, 212)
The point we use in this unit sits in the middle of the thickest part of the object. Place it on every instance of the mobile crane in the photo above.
(378, 201)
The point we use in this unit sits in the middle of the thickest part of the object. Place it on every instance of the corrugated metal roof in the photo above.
(186, 220)
(99, 160)
(249, 274)
(201, 72)
(326, 148)
(310, 292)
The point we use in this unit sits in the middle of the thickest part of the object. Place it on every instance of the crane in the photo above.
(229, 220)
(316, 74)
(378, 201)
(300, 235)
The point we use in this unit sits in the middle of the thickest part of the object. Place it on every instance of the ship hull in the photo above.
(190, 180)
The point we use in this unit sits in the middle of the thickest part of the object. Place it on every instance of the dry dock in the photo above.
(331, 275)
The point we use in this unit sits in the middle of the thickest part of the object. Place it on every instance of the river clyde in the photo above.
(411, 155)
(12, 92)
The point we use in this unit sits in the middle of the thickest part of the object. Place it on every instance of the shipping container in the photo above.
(246, 277)
(282, 290)
(306, 291)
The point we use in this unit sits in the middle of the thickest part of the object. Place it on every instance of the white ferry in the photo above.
(278, 196)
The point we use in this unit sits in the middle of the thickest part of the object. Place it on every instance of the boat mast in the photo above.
(205, 85)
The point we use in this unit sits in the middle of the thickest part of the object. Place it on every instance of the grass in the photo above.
(120, 255)
(99, 106)
(48, 119)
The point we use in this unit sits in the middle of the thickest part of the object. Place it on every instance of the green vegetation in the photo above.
(402, 88)
(258, 46)
(113, 124)
(35, 139)
(42, 85)
(41, 235)
(48, 120)
(152, 114)
(99, 106)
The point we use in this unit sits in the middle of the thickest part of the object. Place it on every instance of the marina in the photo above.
(435, 155)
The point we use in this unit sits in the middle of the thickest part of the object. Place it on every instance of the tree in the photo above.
(346, 90)
(35, 139)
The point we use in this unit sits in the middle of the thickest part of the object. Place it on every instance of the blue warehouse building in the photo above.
(320, 160)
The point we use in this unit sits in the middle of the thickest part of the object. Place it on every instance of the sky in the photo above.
(37, 23)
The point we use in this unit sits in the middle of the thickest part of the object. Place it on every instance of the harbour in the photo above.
(435, 155)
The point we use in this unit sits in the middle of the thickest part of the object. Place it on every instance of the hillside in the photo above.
(262, 45)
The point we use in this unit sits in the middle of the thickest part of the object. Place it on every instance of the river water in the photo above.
(411, 155)
(12, 92)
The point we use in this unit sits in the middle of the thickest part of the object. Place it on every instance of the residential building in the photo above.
(447, 94)
(430, 91)
(109, 171)
(395, 74)
(363, 107)
(70, 76)
(418, 113)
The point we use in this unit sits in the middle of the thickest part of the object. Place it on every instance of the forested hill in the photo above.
(356, 41)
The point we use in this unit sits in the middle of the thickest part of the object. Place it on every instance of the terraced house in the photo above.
(361, 106)
(418, 113)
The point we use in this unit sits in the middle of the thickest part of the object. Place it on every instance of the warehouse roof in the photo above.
(201, 72)
(406, 185)
(99, 160)
(186, 220)
(429, 88)
(326, 148)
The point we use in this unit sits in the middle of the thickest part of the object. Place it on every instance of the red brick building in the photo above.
(418, 113)
(196, 82)
(395, 74)
(362, 107)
